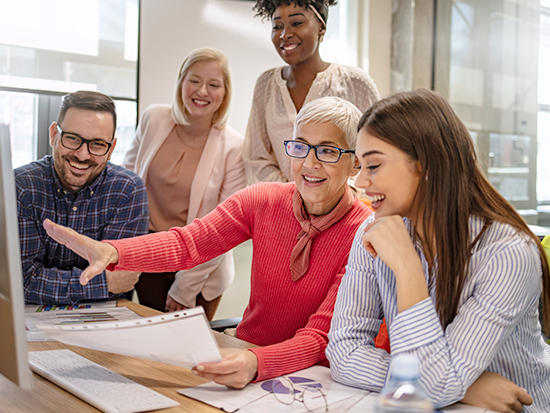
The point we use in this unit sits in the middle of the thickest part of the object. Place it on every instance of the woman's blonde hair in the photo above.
(179, 113)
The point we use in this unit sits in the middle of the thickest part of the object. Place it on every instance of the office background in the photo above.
(490, 58)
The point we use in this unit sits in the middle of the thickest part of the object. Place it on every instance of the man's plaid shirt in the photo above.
(114, 206)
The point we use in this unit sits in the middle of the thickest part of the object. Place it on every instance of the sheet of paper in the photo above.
(181, 338)
(258, 397)
(75, 316)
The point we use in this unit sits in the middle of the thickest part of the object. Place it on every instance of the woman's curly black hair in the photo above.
(266, 8)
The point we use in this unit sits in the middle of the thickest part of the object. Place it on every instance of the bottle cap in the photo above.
(404, 366)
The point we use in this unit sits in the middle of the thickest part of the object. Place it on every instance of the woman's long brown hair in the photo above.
(452, 188)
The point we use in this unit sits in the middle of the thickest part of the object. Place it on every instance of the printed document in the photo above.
(82, 313)
(181, 338)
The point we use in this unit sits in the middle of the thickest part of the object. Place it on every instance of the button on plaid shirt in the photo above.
(114, 206)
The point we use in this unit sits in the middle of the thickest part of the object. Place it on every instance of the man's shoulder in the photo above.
(34, 173)
(117, 175)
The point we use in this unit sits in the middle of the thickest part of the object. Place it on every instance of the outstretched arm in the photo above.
(98, 254)
(180, 248)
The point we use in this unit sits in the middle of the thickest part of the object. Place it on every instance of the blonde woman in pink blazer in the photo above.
(190, 161)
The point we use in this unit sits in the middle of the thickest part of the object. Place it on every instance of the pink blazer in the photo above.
(219, 175)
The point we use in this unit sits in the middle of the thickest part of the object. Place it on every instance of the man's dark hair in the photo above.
(85, 99)
(266, 8)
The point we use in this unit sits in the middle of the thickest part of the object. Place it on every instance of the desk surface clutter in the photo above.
(166, 379)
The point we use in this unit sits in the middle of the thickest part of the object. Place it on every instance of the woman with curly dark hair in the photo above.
(298, 27)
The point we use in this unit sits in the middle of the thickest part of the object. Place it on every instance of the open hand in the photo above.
(98, 254)
(236, 370)
(494, 392)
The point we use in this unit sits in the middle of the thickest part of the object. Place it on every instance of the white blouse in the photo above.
(273, 112)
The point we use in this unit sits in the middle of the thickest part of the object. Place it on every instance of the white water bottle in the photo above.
(403, 392)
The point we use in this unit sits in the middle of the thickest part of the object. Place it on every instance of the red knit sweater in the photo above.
(290, 320)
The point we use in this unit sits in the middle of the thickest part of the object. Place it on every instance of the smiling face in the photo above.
(78, 168)
(321, 184)
(388, 176)
(296, 33)
(203, 89)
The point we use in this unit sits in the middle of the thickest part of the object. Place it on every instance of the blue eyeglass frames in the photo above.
(324, 153)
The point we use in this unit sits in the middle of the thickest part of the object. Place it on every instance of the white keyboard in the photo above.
(95, 384)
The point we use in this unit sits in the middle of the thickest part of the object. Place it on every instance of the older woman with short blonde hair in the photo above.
(301, 234)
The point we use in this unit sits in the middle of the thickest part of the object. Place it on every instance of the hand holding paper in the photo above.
(98, 254)
(236, 370)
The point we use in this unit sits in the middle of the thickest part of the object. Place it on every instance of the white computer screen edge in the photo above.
(14, 363)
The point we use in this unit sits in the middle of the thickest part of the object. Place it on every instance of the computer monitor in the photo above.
(13, 340)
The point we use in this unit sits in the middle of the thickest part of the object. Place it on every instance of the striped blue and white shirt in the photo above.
(496, 329)
(113, 206)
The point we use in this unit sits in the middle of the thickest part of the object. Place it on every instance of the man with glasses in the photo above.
(78, 187)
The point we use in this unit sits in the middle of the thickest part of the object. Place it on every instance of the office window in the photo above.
(341, 41)
(51, 48)
(543, 129)
(18, 111)
(487, 61)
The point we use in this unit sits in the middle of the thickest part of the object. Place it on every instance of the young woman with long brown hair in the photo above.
(446, 260)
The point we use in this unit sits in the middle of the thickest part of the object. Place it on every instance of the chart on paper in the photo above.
(72, 315)
(42, 308)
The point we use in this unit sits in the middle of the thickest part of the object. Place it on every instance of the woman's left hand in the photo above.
(497, 393)
(388, 238)
(236, 370)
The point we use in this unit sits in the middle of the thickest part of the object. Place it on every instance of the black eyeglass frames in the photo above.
(324, 153)
(73, 142)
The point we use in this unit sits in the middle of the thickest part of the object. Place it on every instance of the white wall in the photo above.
(170, 29)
